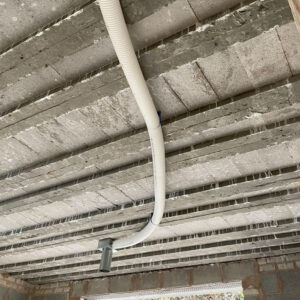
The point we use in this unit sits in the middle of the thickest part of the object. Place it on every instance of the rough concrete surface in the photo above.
(76, 158)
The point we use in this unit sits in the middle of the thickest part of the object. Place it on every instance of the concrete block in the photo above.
(263, 67)
(125, 103)
(101, 114)
(273, 156)
(207, 8)
(80, 122)
(269, 282)
(191, 86)
(295, 90)
(162, 233)
(286, 258)
(267, 268)
(290, 40)
(145, 281)
(293, 150)
(88, 200)
(175, 278)
(290, 280)
(189, 228)
(197, 173)
(120, 284)
(115, 196)
(73, 65)
(164, 22)
(14, 154)
(269, 100)
(37, 142)
(134, 191)
(136, 10)
(60, 136)
(30, 86)
(246, 160)
(285, 266)
(206, 274)
(225, 73)
(98, 287)
(222, 169)
(17, 23)
(75, 122)
(237, 270)
(165, 100)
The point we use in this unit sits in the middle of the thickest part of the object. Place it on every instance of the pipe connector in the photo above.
(106, 257)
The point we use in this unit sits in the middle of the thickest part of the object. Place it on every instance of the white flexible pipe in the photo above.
(118, 32)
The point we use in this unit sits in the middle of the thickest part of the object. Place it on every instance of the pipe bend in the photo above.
(118, 32)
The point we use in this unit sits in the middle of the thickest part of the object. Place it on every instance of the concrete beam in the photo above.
(164, 256)
(101, 156)
(63, 172)
(204, 37)
(283, 208)
(203, 202)
(273, 277)
(191, 159)
(246, 140)
(177, 263)
(222, 235)
(16, 21)
(84, 32)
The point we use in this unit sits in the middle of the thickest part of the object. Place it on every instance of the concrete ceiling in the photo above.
(76, 159)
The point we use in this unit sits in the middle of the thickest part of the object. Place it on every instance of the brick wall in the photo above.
(54, 291)
(280, 277)
(276, 278)
(14, 289)
(227, 272)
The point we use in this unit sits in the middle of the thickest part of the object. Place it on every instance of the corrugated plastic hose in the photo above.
(118, 32)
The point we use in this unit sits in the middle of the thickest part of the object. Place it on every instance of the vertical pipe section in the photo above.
(118, 32)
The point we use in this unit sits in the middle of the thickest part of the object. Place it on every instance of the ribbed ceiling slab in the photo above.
(76, 158)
